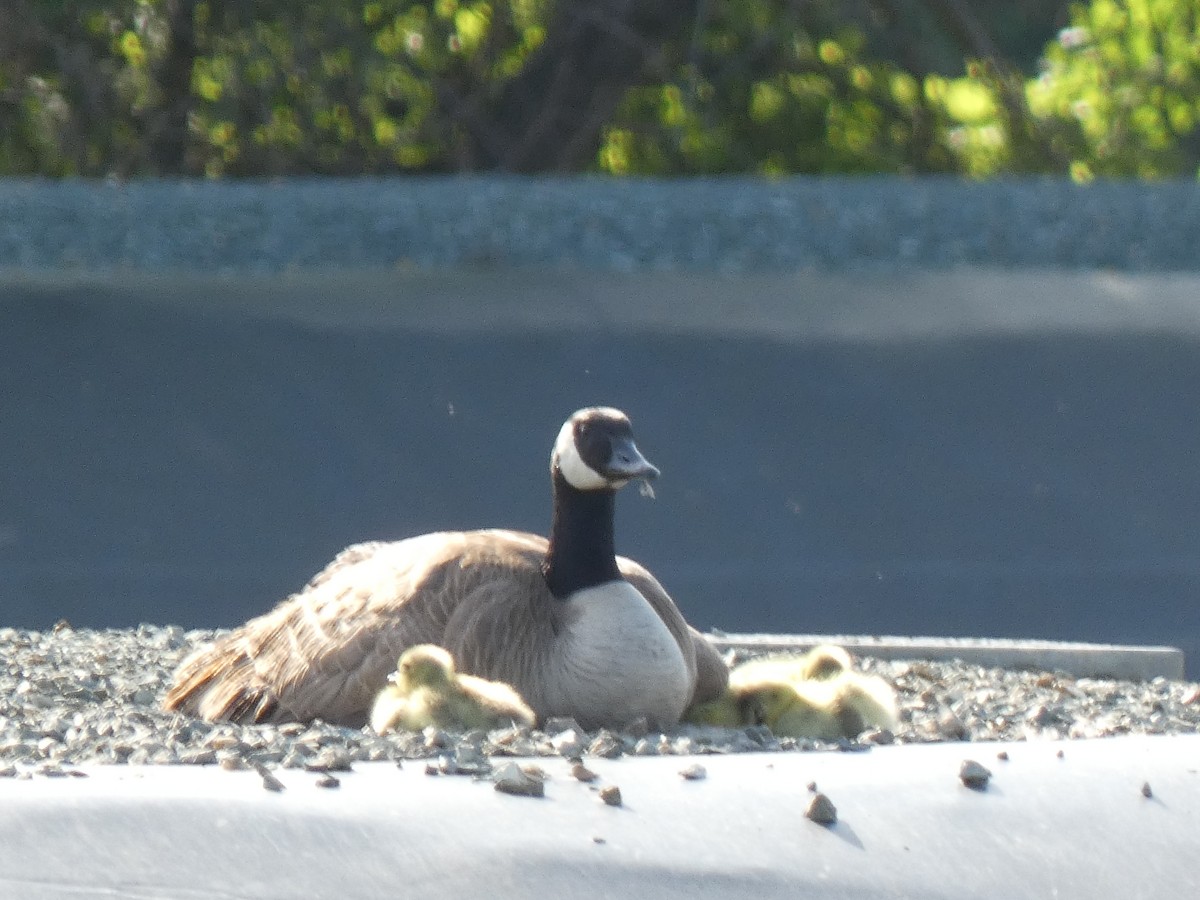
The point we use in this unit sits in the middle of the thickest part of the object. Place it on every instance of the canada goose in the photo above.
(576, 630)
(425, 690)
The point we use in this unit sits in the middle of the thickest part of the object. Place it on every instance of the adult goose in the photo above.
(577, 630)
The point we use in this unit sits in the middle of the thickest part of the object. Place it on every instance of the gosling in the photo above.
(425, 690)
(816, 696)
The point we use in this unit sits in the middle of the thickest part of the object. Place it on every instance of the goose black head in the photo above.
(595, 451)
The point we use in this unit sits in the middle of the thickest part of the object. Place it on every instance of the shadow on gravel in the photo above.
(175, 467)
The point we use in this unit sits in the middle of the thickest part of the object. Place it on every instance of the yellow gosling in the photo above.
(842, 707)
(821, 662)
(817, 695)
(426, 690)
(723, 711)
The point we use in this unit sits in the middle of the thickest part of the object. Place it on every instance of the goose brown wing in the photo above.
(326, 651)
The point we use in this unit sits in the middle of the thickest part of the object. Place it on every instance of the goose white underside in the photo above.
(618, 660)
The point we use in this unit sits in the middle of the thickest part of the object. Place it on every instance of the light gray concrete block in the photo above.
(1076, 828)
(1083, 660)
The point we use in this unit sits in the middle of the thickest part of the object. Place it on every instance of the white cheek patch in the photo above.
(578, 473)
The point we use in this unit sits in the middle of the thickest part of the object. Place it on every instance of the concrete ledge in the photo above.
(1079, 659)
(705, 224)
(805, 308)
(1078, 826)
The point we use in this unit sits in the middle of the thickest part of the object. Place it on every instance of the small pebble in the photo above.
(694, 772)
(606, 745)
(1146, 792)
(582, 773)
(1060, 754)
(269, 781)
(812, 787)
(611, 794)
(329, 759)
(596, 839)
(950, 727)
(329, 781)
(821, 810)
(559, 724)
(569, 743)
(973, 775)
(512, 779)
(1002, 756)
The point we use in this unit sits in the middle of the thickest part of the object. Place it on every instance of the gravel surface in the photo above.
(730, 224)
(70, 696)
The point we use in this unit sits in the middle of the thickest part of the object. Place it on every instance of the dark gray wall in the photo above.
(980, 452)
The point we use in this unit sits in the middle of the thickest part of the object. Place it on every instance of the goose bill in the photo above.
(626, 463)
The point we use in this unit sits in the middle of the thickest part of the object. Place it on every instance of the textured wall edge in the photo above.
(731, 224)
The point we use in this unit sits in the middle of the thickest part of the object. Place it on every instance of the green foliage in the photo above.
(231, 87)
(324, 86)
(776, 89)
(1123, 84)
(1118, 96)
(349, 87)
(69, 85)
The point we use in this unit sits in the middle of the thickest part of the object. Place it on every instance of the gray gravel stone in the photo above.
(974, 775)
(821, 810)
(580, 772)
(610, 794)
(512, 779)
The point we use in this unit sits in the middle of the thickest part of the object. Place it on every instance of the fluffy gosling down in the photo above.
(817, 695)
(822, 662)
(425, 690)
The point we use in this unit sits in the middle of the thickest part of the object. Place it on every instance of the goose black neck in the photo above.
(582, 552)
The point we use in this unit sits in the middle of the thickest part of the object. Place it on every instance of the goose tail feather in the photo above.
(218, 685)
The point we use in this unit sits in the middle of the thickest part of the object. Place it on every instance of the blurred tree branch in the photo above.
(550, 117)
(167, 126)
